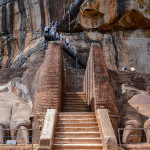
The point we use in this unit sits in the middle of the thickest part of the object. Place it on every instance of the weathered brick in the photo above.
(49, 86)
(97, 83)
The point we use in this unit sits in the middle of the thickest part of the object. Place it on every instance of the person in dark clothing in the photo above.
(46, 35)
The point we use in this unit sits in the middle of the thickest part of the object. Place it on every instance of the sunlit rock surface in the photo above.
(114, 15)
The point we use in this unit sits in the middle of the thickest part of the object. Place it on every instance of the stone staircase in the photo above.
(75, 102)
(76, 128)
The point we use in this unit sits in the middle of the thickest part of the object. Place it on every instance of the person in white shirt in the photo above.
(61, 37)
(57, 36)
(46, 30)
(67, 42)
(132, 69)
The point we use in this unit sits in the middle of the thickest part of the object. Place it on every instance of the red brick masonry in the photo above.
(97, 84)
(48, 92)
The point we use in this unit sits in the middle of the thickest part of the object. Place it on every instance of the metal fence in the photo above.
(141, 135)
(6, 139)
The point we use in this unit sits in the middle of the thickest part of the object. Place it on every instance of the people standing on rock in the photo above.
(124, 68)
(132, 69)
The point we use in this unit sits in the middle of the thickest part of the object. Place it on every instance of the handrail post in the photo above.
(76, 62)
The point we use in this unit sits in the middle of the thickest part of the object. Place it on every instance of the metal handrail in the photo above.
(74, 56)
(121, 129)
(9, 136)
(69, 52)
(72, 14)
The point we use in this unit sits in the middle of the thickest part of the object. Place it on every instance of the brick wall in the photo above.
(49, 85)
(73, 79)
(97, 83)
(7, 75)
(48, 92)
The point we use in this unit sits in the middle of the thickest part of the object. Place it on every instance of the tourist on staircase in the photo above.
(46, 33)
(61, 37)
(67, 43)
(75, 50)
(76, 2)
(70, 7)
(57, 36)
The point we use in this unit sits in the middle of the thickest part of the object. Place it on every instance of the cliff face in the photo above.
(22, 22)
(121, 26)
(114, 14)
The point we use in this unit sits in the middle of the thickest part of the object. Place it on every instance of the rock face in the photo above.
(22, 22)
(135, 112)
(114, 14)
(15, 108)
(133, 95)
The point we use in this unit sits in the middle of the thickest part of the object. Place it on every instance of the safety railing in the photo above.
(23, 137)
(136, 136)
(70, 16)
(77, 59)
(69, 51)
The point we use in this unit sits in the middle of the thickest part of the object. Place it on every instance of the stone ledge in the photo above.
(108, 135)
(46, 139)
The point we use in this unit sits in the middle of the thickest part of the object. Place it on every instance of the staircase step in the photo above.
(75, 98)
(80, 104)
(75, 108)
(74, 105)
(76, 113)
(77, 134)
(77, 117)
(76, 121)
(76, 149)
(93, 124)
(43, 148)
(75, 102)
(75, 93)
(78, 146)
(77, 129)
(77, 140)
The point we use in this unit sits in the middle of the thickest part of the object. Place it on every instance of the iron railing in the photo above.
(7, 137)
(142, 135)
